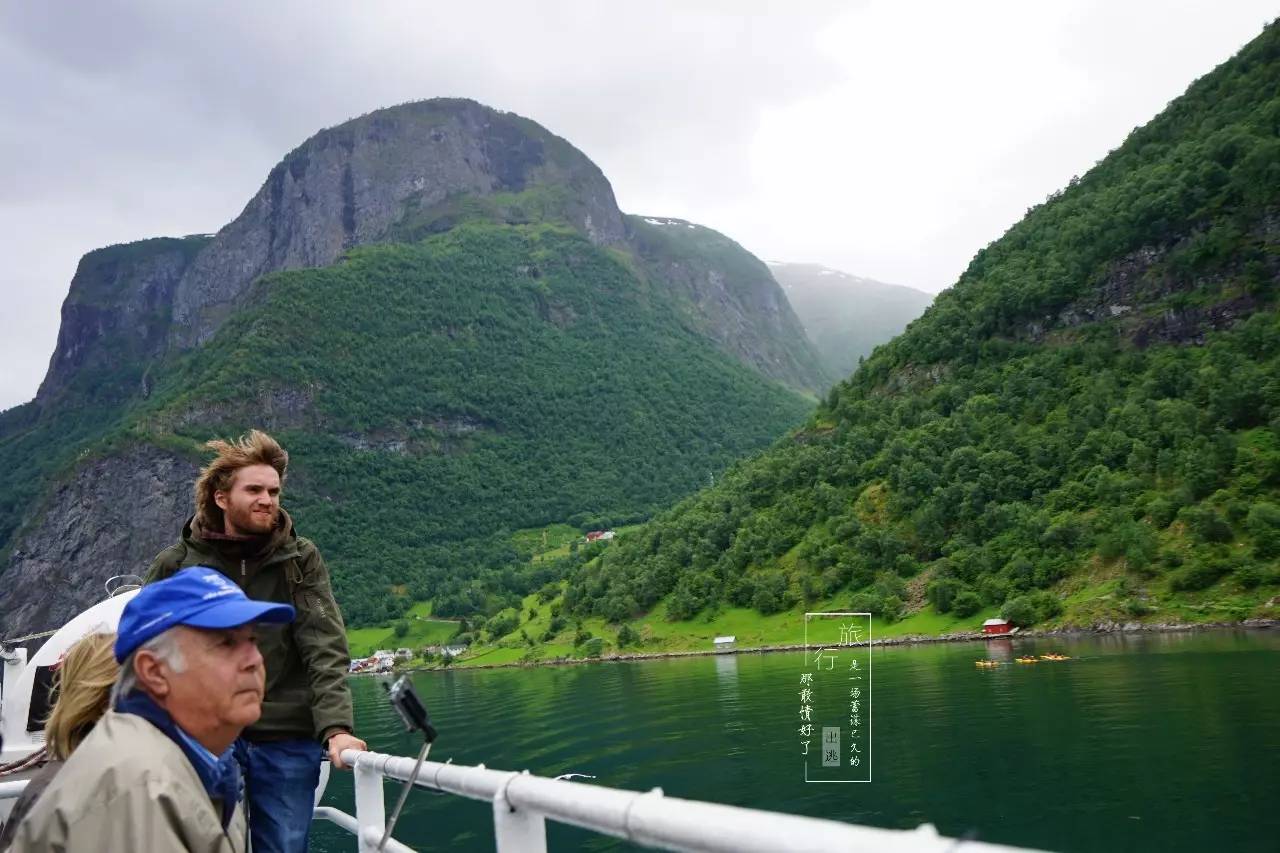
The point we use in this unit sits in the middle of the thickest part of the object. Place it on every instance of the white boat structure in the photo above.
(522, 803)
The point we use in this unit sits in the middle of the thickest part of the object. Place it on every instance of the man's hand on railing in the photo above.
(341, 741)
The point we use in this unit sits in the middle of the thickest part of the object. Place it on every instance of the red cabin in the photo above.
(996, 626)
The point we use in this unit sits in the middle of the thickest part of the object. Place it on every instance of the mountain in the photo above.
(846, 316)
(395, 175)
(441, 312)
(730, 295)
(1084, 429)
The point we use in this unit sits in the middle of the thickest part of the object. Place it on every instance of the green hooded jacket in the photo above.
(307, 661)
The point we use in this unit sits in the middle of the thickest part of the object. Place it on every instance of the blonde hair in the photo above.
(84, 683)
(254, 448)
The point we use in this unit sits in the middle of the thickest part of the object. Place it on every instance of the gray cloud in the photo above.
(889, 139)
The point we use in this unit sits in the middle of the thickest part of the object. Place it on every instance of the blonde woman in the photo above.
(83, 681)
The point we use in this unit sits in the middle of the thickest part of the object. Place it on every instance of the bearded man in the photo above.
(240, 529)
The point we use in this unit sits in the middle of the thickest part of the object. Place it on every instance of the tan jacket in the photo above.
(127, 789)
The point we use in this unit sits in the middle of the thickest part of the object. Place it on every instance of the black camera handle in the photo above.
(414, 714)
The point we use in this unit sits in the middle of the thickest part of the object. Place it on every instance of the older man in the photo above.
(158, 772)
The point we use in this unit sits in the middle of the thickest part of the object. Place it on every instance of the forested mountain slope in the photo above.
(440, 311)
(729, 295)
(1088, 420)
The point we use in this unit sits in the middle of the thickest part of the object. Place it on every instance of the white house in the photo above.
(725, 644)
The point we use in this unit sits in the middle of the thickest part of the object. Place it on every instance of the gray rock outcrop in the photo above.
(117, 312)
(349, 185)
(1151, 302)
(396, 174)
(111, 517)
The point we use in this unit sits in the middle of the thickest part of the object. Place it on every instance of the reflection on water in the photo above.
(1000, 649)
(727, 676)
(1153, 741)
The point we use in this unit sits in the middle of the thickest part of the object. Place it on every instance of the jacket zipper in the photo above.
(242, 568)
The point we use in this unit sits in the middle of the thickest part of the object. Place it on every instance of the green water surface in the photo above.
(1164, 742)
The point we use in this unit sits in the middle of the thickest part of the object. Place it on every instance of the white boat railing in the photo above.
(522, 804)
(12, 790)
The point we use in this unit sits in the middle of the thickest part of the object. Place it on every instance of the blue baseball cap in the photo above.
(200, 597)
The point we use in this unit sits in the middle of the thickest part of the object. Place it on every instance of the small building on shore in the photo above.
(725, 644)
(996, 626)
(380, 661)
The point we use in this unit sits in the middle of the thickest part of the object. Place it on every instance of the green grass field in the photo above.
(422, 632)
(1103, 592)
(658, 635)
(421, 609)
(546, 543)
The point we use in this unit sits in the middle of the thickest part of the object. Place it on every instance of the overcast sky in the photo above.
(888, 139)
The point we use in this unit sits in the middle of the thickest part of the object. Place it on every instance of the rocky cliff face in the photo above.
(117, 314)
(349, 185)
(111, 517)
(396, 175)
(1150, 300)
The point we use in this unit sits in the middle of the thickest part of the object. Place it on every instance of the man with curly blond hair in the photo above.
(240, 529)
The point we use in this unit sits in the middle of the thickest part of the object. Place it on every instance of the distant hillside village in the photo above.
(384, 660)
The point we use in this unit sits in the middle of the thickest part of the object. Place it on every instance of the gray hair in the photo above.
(164, 646)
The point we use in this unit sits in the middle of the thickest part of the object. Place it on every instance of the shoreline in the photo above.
(905, 640)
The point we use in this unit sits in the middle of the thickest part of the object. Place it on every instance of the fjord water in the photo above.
(1139, 742)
